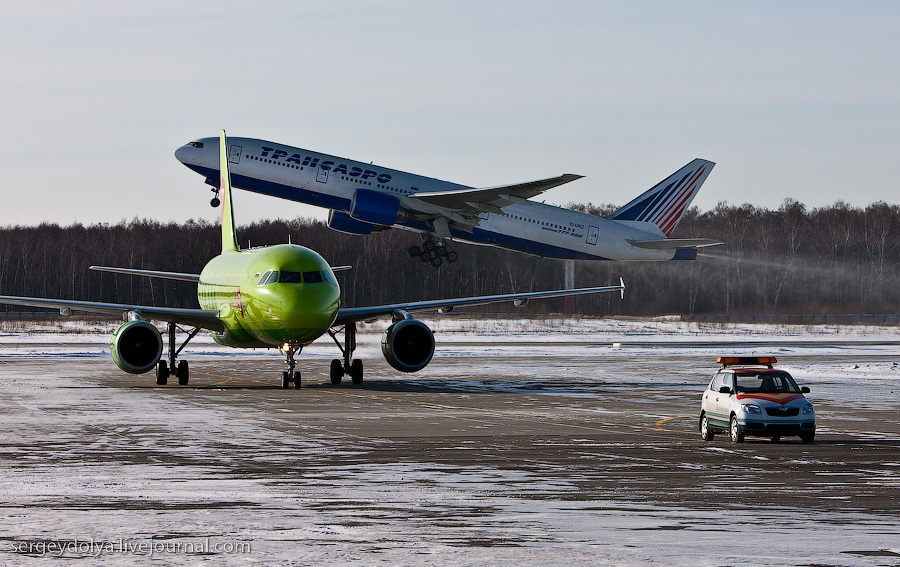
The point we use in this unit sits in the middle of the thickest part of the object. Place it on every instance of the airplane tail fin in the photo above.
(229, 236)
(663, 205)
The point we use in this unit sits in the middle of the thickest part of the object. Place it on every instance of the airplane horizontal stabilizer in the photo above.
(149, 273)
(675, 243)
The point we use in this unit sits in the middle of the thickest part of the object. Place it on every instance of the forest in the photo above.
(793, 260)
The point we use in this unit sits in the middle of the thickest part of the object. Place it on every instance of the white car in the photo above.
(755, 399)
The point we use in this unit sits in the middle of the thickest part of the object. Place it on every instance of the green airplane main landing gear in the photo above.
(179, 368)
(349, 365)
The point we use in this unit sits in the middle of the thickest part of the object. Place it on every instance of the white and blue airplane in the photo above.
(365, 198)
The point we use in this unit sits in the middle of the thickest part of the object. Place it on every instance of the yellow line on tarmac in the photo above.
(656, 426)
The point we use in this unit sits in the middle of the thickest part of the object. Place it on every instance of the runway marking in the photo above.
(658, 424)
(507, 412)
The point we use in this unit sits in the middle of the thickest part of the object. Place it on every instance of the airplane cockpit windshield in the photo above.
(289, 277)
(286, 276)
(198, 145)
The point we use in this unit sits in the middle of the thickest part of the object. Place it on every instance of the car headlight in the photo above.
(807, 409)
(751, 408)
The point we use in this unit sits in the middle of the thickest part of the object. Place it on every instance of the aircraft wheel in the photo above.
(428, 245)
(296, 380)
(183, 373)
(437, 261)
(337, 371)
(426, 256)
(285, 380)
(215, 202)
(452, 256)
(776, 438)
(735, 432)
(415, 251)
(440, 251)
(356, 371)
(162, 373)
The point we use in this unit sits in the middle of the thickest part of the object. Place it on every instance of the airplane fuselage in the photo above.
(331, 182)
(271, 296)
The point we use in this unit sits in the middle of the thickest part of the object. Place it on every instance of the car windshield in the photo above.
(776, 382)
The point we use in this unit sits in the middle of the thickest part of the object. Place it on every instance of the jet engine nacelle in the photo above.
(374, 207)
(342, 222)
(136, 347)
(408, 345)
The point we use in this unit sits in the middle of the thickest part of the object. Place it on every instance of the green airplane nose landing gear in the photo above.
(289, 375)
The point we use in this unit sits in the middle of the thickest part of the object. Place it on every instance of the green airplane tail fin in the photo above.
(229, 236)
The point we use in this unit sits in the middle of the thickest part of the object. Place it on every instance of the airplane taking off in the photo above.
(283, 296)
(364, 198)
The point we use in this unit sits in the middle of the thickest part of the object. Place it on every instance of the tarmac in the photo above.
(507, 459)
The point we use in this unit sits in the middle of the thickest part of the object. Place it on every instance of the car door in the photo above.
(723, 400)
(719, 404)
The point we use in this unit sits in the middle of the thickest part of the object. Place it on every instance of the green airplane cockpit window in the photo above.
(285, 276)
(289, 277)
(268, 278)
(312, 277)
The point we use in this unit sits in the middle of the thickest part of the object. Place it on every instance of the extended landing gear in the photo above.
(215, 202)
(289, 376)
(434, 253)
(179, 369)
(348, 365)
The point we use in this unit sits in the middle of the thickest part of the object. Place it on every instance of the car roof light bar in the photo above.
(732, 360)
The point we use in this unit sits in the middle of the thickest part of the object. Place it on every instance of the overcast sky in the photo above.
(790, 99)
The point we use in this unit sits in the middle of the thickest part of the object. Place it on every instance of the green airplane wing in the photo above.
(353, 314)
(203, 318)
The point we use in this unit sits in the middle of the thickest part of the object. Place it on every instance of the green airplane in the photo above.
(283, 296)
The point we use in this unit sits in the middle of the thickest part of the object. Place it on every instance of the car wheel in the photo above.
(776, 438)
(705, 432)
(807, 437)
(735, 431)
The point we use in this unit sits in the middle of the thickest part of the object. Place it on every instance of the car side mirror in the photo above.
(804, 390)
(724, 390)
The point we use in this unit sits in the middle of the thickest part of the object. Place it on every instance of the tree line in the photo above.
(831, 260)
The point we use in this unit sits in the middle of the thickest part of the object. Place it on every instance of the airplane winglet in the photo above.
(229, 236)
(622, 287)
